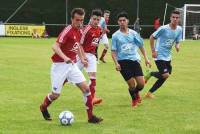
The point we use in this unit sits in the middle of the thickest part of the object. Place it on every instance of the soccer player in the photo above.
(104, 40)
(125, 43)
(165, 37)
(63, 67)
(89, 42)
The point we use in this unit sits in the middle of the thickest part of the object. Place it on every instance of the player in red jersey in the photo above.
(104, 40)
(66, 48)
(89, 42)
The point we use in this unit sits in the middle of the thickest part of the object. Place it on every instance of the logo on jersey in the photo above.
(169, 43)
(95, 42)
(75, 47)
(127, 48)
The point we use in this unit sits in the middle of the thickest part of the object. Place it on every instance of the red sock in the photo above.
(103, 53)
(93, 87)
(46, 102)
(88, 104)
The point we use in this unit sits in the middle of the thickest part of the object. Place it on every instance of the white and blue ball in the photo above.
(66, 118)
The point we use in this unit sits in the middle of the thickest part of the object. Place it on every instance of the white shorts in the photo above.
(92, 63)
(104, 40)
(62, 71)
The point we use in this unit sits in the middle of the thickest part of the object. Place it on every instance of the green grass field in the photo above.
(25, 80)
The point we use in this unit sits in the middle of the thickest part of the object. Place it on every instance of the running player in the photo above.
(63, 67)
(104, 39)
(165, 37)
(89, 42)
(125, 43)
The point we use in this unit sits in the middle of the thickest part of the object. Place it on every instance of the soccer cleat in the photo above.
(96, 101)
(134, 103)
(102, 59)
(147, 76)
(138, 98)
(95, 119)
(45, 113)
(149, 95)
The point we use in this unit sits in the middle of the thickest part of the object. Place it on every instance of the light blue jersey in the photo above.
(102, 23)
(166, 37)
(126, 45)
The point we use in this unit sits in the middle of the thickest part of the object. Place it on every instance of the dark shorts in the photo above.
(164, 66)
(130, 69)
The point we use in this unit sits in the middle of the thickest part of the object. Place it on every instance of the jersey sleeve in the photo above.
(179, 37)
(114, 43)
(103, 24)
(62, 38)
(138, 40)
(84, 35)
(158, 32)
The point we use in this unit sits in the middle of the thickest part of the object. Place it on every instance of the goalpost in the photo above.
(190, 19)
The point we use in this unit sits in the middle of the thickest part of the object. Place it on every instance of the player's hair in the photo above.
(175, 12)
(79, 11)
(106, 11)
(122, 14)
(96, 12)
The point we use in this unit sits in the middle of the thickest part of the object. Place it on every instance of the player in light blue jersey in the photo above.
(166, 36)
(125, 44)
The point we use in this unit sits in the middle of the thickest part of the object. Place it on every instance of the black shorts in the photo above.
(164, 66)
(130, 69)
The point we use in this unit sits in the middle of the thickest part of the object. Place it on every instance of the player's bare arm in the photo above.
(153, 51)
(82, 56)
(147, 62)
(57, 50)
(114, 57)
(177, 46)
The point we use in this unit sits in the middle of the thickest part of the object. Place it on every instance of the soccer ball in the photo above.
(66, 118)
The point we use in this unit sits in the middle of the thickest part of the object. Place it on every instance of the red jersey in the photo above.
(90, 39)
(156, 24)
(69, 39)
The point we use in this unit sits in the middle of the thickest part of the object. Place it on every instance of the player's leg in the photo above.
(106, 47)
(128, 75)
(139, 77)
(132, 91)
(140, 85)
(162, 76)
(91, 70)
(58, 76)
(92, 86)
(88, 102)
(76, 76)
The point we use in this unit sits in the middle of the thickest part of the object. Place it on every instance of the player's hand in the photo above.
(68, 61)
(118, 67)
(148, 63)
(85, 63)
(154, 54)
(177, 48)
(107, 31)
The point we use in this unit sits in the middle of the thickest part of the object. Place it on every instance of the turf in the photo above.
(25, 80)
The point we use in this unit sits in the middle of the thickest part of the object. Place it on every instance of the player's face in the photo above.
(77, 21)
(175, 18)
(95, 20)
(123, 22)
(106, 16)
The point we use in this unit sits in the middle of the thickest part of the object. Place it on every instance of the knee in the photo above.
(54, 96)
(140, 87)
(86, 91)
(165, 76)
